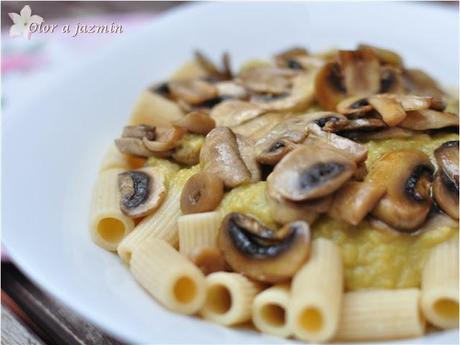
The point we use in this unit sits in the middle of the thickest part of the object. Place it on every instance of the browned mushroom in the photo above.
(389, 108)
(166, 139)
(141, 191)
(355, 200)
(267, 79)
(385, 133)
(261, 253)
(391, 80)
(196, 122)
(354, 106)
(288, 58)
(131, 141)
(329, 88)
(429, 119)
(385, 56)
(192, 91)
(446, 182)
(259, 126)
(231, 113)
(230, 89)
(350, 148)
(211, 69)
(220, 156)
(407, 176)
(248, 155)
(419, 83)
(208, 259)
(310, 172)
(201, 193)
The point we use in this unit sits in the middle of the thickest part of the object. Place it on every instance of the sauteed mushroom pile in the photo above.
(302, 124)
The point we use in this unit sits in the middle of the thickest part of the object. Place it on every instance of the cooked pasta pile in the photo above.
(315, 195)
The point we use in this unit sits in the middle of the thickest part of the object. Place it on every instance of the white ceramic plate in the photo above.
(53, 143)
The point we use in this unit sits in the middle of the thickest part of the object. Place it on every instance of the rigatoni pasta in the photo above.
(108, 225)
(316, 294)
(168, 276)
(198, 230)
(440, 285)
(380, 315)
(229, 298)
(228, 195)
(269, 311)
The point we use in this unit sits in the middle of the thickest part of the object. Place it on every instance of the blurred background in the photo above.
(29, 315)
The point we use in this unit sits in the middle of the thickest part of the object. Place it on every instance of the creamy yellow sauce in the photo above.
(373, 258)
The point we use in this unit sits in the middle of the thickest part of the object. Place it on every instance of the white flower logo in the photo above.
(22, 22)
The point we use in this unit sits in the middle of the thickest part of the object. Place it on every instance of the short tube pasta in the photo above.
(440, 285)
(198, 230)
(113, 159)
(229, 298)
(269, 311)
(108, 225)
(168, 276)
(316, 294)
(155, 110)
(381, 314)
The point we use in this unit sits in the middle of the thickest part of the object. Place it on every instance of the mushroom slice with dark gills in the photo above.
(391, 80)
(288, 58)
(192, 91)
(284, 137)
(221, 156)
(142, 191)
(446, 182)
(261, 253)
(284, 211)
(311, 172)
(298, 98)
(407, 176)
(131, 140)
(232, 113)
(357, 152)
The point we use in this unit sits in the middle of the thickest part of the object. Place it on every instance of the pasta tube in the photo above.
(381, 314)
(269, 311)
(155, 110)
(198, 230)
(316, 294)
(168, 276)
(440, 285)
(229, 298)
(115, 159)
(108, 225)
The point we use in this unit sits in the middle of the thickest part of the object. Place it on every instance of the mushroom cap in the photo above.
(220, 156)
(196, 122)
(407, 176)
(132, 146)
(260, 253)
(329, 88)
(248, 155)
(446, 182)
(267, 79)
(310, 172)
(234, 112)
(142, 191)
(167, 139)
(201, 193)
(429, 119)
(192, 91)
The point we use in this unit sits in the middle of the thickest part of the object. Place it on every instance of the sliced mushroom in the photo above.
(298, 98)
(329, 87)
(385, 133)
(248, 154)
(131, 141)
(288, 58)
(446, 182)
(260, 253)
(259, 126)
(361, 71)
(354, 106)
(407, 176)
(235, 112)
(420, 83)
(311, 172)
(196, 122)
(385, 56)
(429, 119)
(141, 191)
(220, 156)
(193, 91)
(389, 108)
(230, 89)
(350, 148)
(167, 139)
(364, 124)
(211, 69)
(355, 200)
(267, 79)
(201, 193)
